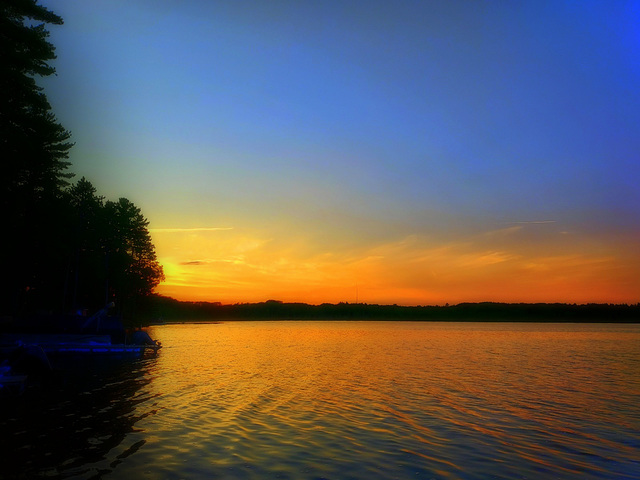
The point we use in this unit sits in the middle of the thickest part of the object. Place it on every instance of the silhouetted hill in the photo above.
(171, 310)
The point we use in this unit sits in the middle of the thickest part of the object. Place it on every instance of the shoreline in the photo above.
(168, 310)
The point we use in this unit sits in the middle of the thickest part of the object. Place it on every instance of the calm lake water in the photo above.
(362, 400)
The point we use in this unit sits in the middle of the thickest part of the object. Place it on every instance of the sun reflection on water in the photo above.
(382, 399)
(348, 400)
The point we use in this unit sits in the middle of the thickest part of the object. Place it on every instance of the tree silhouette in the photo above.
(34, 145)
(111, 256)
(65, 247)
(133, 268)
(86, 266)
(34, 149)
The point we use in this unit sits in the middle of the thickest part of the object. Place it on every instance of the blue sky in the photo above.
(328, 128)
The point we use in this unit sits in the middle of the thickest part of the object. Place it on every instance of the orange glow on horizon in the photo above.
(236, 266)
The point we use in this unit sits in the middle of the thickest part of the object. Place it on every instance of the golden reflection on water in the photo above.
(386, 399)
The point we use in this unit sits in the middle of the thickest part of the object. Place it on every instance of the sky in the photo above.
(409, 152)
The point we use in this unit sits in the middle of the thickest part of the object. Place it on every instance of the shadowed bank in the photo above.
(167, 309)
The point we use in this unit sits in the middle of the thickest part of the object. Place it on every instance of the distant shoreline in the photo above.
(169, 310)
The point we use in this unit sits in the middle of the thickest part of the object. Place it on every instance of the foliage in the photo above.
(34, 145)
(34, 148)
(111, 254)
(172, 310)
(133, 268)
(65, 247)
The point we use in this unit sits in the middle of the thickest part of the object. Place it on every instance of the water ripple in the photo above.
(348, 400)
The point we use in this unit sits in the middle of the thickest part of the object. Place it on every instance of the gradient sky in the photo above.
(410, 152)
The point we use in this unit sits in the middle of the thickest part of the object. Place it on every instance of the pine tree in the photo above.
(34, 145)
(34, 150)
(64, 247)
(134, 270)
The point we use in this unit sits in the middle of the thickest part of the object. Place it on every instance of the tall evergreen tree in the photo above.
(65, 248)
(34, 150)
(110, 256)
(134, 270)
(86, 275)
(34, 145)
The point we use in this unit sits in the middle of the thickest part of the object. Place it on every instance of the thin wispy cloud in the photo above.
(493, 217)
(197, 229)
(532, 222)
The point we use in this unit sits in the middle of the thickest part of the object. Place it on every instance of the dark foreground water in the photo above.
(340, 400)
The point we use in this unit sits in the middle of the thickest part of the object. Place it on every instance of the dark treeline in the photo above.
(170, 310)
(65, 247)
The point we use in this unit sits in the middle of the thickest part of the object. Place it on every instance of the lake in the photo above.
(360, 400)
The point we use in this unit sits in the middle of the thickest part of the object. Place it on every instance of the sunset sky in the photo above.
(410, 152)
